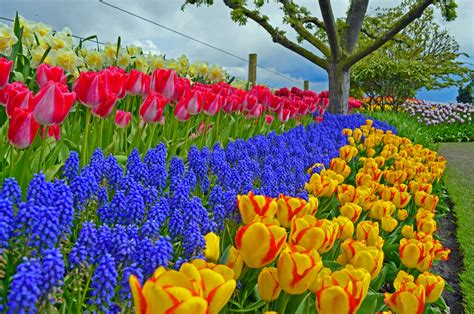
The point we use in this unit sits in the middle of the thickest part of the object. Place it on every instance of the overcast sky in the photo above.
(214, 26)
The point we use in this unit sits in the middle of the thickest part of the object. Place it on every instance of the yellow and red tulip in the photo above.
(268, 287)
(235, 261)
(369, 231)
(425, 200)
(381, 209)
(252, 205)
(321, 185)
(260, 241)
(433, 284)
(342, 291)
(290, 207)
(348, 152)
(359, 255)
(415, 254)
(297, 268)
(346, 227)
(409, 297)
(351, 211)
(340, 166)
(311, 233)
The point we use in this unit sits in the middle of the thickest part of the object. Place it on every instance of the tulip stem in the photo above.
(101, 131)
(85, 138)
(284, 302)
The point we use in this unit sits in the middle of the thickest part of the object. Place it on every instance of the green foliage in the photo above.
(411, 60)
(465, 93)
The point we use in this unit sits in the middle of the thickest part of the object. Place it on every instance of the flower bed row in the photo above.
(363, 241)
(72, 244)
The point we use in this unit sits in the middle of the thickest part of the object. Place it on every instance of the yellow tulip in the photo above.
(425, 200)
(346, 227)
(358, 254)
(311, 233)
(342, 291)
(351, 211)
(340, 166)
(389, 223)
(290, 207)
(321, 185)
(268, 287)
(212, 251)
(348, 152)
(235, 262)
(434, 286)
(402, 214)
(260, 241)
(409, 297)
(297, 268)
(381, 208)
(252, 205)
(395, 176)
(312, 205)
(369, 231)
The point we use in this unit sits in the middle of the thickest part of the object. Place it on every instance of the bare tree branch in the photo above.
(313, 20)
(414, 13)
(277, 35)
(302, 31)
(355, 17)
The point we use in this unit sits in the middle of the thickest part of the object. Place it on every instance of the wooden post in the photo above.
(306, 85)
(253, 68)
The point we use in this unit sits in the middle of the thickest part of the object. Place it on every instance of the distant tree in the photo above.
(334, 43)
(422, 55)
(466, 93)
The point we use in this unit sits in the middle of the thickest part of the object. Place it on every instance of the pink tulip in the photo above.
(46, 73)
(212, 104)
(22, 129)
(52, 104)
(268, 119)
(193, 101)
(164, 81)
(256, 111)
(284, 115)
(90, 89)
(122, 118)
(152, 107)
(104, 109)
(5, 68)
(180, 111)
(138, 83)
(115, 80)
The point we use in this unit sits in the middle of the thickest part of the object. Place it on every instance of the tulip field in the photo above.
(134, 184)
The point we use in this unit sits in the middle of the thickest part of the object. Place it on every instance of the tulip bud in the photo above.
(235, 261)
(268, 119)
(212, 250)
(402, 214)
(298, 268)
(415, 254)
(164, 82)
(340, 166)
(408, 232)
(46, 73)
(321, 185)
(268, 287)
(389, 223)
(434, 286)
(351, 211)
(252, 205)
(368, 231)
(180, 112)
(288, 208)
(137, 83)
(381, 209)
(152, 107)
(122, 118)
(346, 227)
(260, 242)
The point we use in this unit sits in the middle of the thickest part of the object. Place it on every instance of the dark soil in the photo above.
(452, 268)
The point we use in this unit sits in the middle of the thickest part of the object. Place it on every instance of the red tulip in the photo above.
(164, 81)
(90, 89)
(122, 118)
(46, 73)
(249, 103)
(22, 129)
(138, 83)
(52, 104)
(268, 119)
(181, 88)
(115, 79)
(212, 104)
(284, 115)
(5, 68)
(193, 101)
(152, 107)
(104, 109)
(19, 97)
(180, 111)
(53, 131)
(256, 111)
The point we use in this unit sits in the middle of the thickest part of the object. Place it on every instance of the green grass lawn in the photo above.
(459, 179)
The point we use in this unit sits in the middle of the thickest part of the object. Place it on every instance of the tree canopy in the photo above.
(329, 42)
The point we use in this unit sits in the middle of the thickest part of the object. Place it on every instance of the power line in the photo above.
(196, 40)
(75, 36)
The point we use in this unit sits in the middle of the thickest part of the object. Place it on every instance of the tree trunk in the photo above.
(339, 86)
